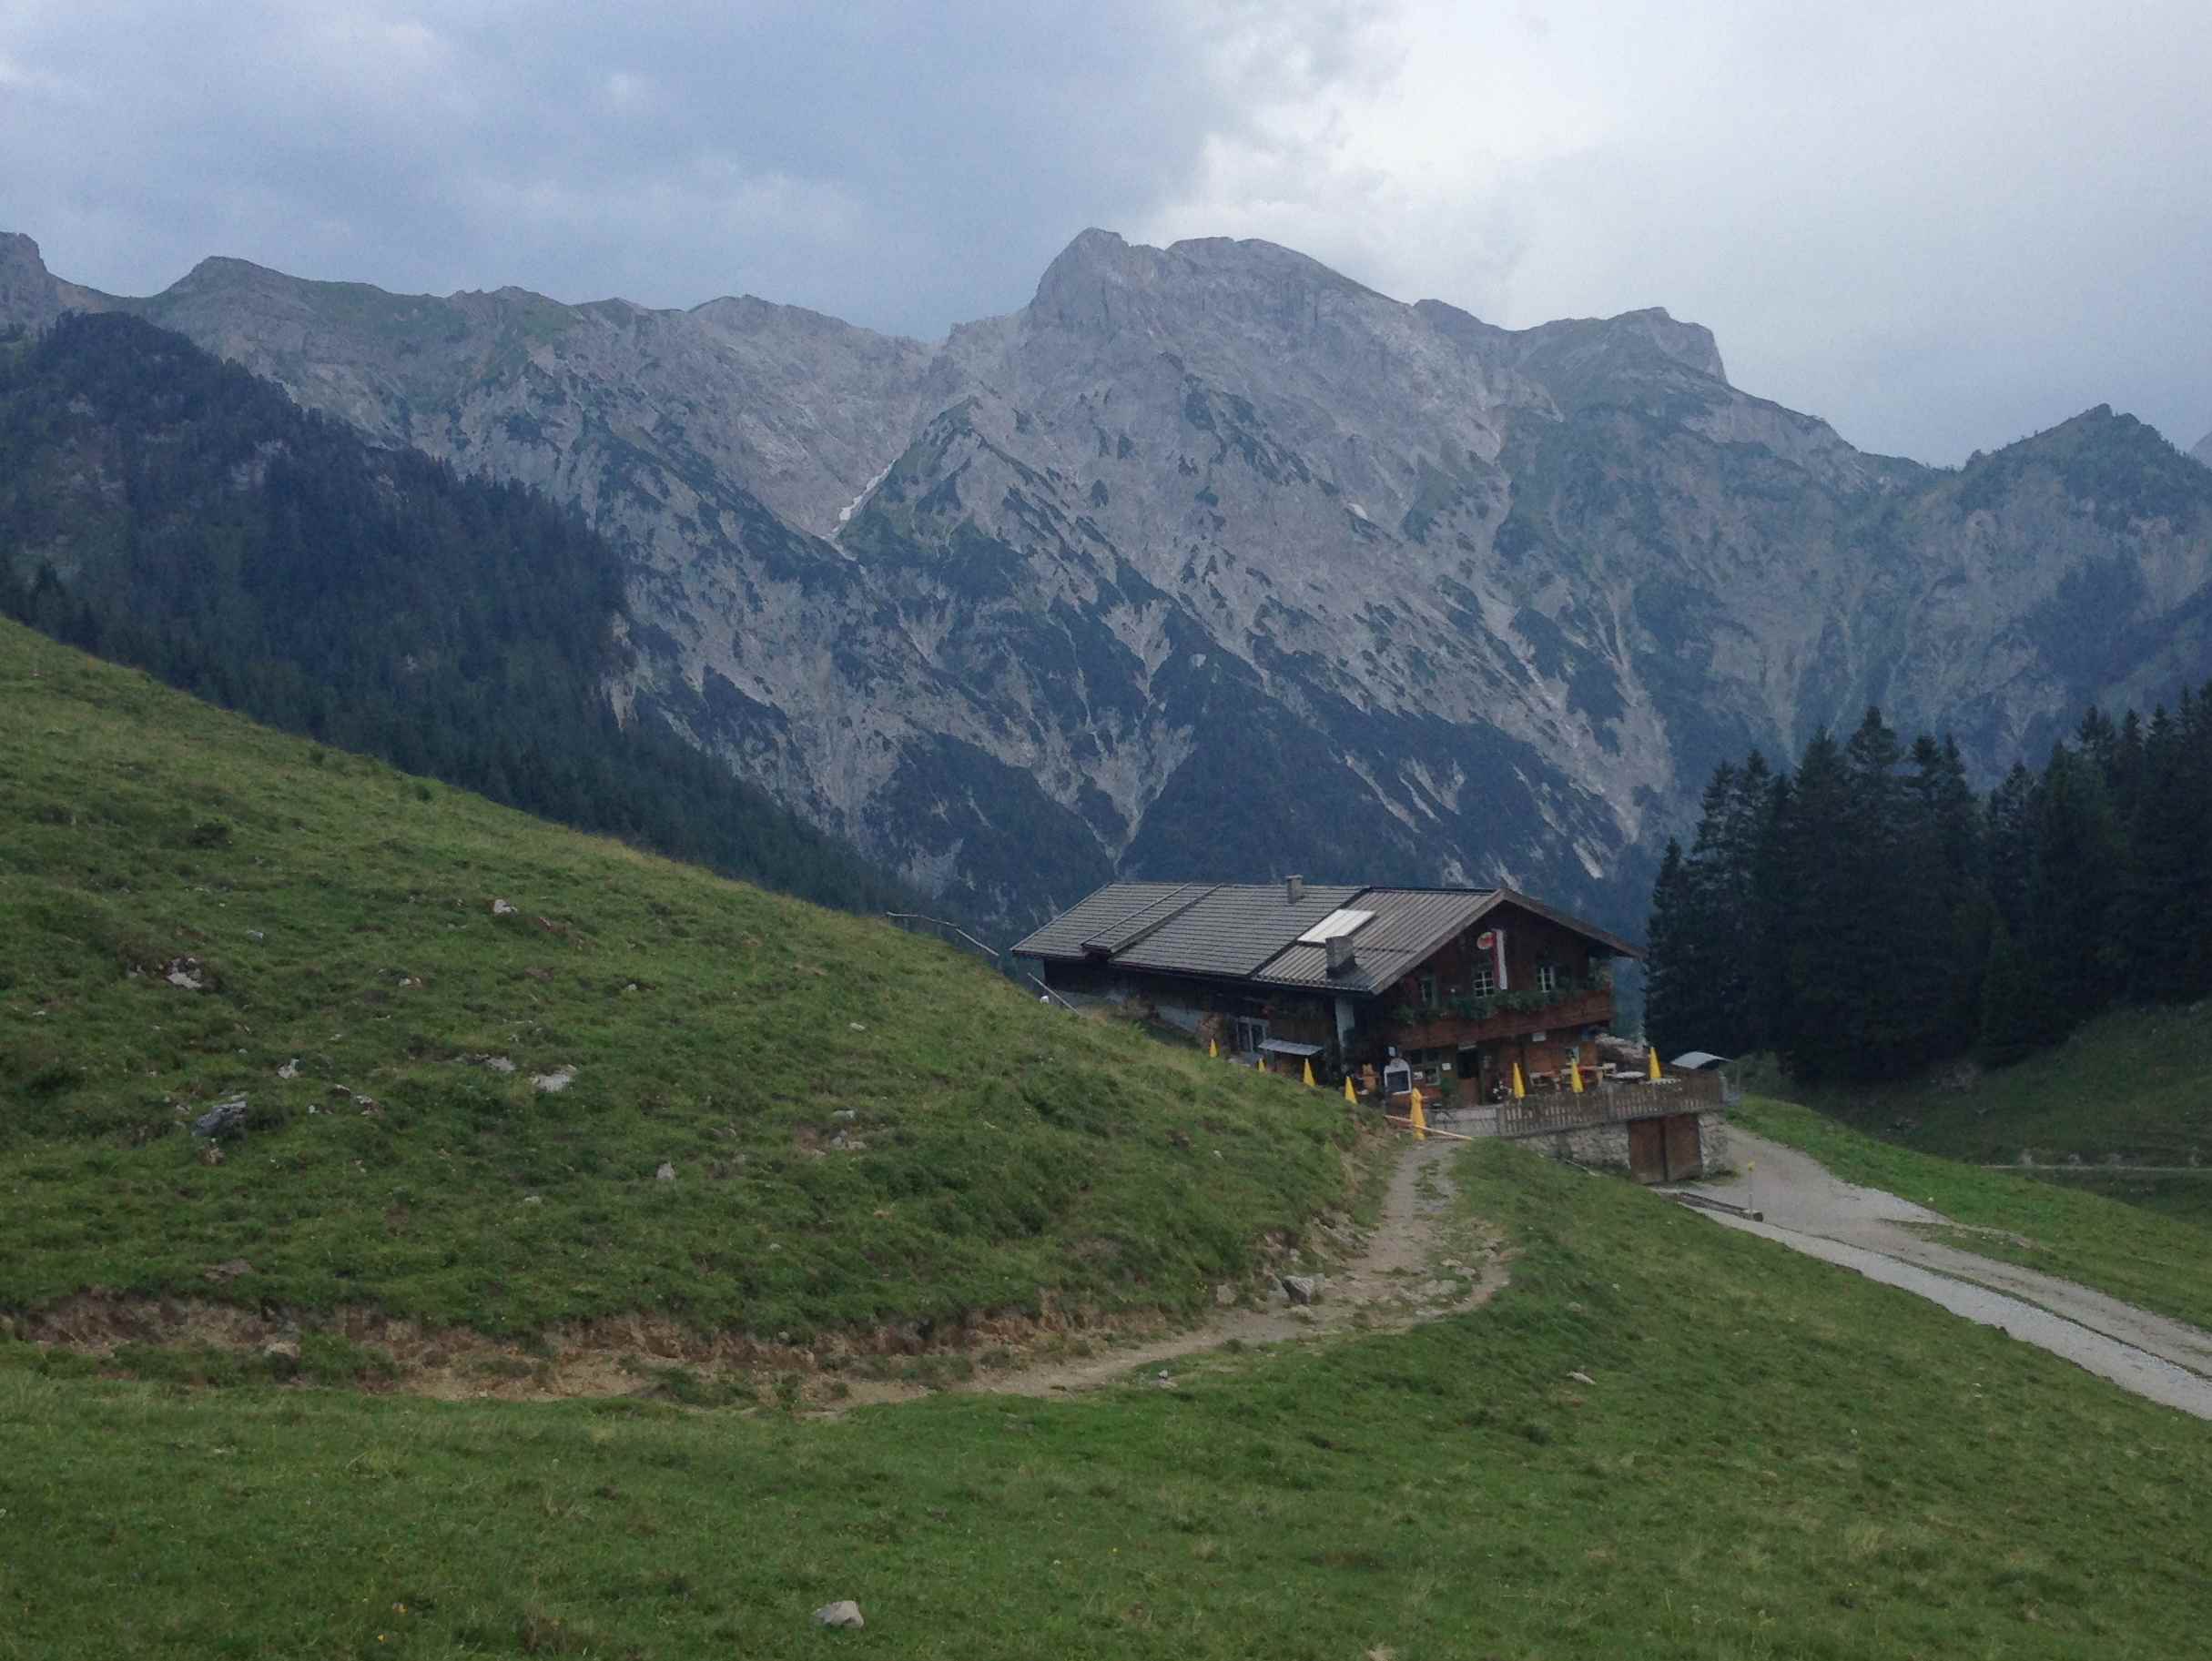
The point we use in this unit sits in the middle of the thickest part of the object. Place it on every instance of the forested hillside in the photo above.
(1867, 914)
(166, 510)
(1212, 561)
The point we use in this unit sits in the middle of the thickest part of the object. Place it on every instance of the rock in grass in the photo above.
(1581, 1378)
(291, 1069)
(1304, 1288)
(842, 1612)
(500, 909)
(666, 1173)
(224, 1119)
(553, 1083)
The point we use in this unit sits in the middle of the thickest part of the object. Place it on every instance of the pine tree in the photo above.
(1770, 918)
(1897, 924)
(2010, 844)
(1738, 846)
(1668, 974)
(1820, 960)
(2016, 1017)
(1945, 864)
(2162, 856)
(2075, 888)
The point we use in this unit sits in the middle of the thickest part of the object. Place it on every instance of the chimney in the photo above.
(1294, 889)
(1340, 953)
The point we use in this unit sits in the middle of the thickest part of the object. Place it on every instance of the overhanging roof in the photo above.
(1252, 931)
(1232, 929)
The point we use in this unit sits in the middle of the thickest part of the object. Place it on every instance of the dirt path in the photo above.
(1809, 1210)
(1416, 1265)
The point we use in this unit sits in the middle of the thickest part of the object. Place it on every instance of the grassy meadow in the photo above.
(1771, 1459)
(1761, 1457)
(866, 1131)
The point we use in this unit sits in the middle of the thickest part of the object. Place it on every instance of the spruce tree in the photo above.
(1897, 925)
(2075, 888)
(1815, 917)
(1667, 973)
(2010, 844)
(1738, 846)
(2016, 1017)
(2163, 849)
(1945, 869)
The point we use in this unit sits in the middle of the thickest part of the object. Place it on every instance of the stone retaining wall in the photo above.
(1606, 1146)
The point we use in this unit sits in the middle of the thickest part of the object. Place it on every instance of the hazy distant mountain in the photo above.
(2203, 452)
(1213, 562)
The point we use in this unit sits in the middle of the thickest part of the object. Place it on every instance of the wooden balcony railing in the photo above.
(1442, 1029)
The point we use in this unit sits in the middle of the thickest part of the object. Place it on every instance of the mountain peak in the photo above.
(224, 270)
(1689, 344)
(1077, 282)
(1099, 275)
(18, 249)
(2203, 452)
(28, 293)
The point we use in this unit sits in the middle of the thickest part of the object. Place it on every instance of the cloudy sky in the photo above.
(1942, 226)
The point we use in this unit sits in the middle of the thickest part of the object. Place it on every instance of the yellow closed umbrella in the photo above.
(1351, 1095)
(1655, 1067)
(1214, 1050)
(1420, 1119)
(1309, 1072)
(1519, 1090)
(1574, 1075)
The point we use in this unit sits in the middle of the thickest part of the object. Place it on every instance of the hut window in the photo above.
(1482, 980)
(1427, 985)
(1547, 977)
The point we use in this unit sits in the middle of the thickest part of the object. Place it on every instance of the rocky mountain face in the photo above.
(2203, 452)
(1211, 563)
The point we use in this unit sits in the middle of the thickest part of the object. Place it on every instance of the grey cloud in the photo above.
(1940, 227)
(905, 165)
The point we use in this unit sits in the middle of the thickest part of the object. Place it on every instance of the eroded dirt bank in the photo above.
(1422, 1259)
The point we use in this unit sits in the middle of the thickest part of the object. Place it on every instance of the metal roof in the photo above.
(1698, 1060)
(1409, 924)
(1233, 928)
(1254, 932)
(1096, 915)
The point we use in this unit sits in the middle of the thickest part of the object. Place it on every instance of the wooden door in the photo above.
(1647, 1150)
(1683, 1157)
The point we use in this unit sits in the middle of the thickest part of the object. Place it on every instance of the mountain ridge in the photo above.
(1211, 561)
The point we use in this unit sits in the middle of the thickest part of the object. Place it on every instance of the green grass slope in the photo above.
(2130, 1088)
(998, 1155)
(1773, 1459)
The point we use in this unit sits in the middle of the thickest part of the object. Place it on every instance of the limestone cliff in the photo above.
(1212, 561)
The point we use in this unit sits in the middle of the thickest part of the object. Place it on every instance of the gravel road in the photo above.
(1813, 1211)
